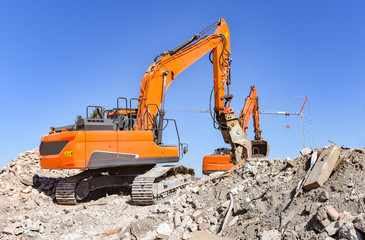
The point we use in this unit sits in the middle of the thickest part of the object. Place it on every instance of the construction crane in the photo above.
(123, 149)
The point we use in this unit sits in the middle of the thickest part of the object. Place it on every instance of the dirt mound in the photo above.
(254, 201)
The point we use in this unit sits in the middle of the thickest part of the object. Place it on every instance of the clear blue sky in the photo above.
(57, 57)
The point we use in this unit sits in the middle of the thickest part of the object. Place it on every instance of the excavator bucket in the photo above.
(260, 148)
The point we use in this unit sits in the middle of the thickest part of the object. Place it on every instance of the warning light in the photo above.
(287, 126)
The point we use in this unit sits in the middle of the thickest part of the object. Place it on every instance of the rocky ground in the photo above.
(254, 201)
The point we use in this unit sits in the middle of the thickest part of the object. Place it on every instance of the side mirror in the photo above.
(185, 151)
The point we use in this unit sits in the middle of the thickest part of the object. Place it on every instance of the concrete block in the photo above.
(271, 235)
(196, 214)
(323, 168)
(305, 151)
(177, 219)
(223, 194)
(164, 229)
(333, 228)
(332, 213)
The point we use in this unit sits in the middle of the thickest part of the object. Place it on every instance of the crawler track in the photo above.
(65, 192)
(160, 182)
(147, 186)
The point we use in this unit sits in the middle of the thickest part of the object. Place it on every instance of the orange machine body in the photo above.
(132, 136)
(214, 163)
(95, 149)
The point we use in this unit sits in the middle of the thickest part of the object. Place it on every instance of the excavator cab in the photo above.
(125, 120)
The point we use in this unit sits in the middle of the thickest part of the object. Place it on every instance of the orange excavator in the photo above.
(221, 159)
(123, 148)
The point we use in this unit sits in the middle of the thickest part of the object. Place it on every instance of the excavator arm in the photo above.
(169, 64)
(251, 107)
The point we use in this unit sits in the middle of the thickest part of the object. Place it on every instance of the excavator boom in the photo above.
(171, 63)
(162, 72)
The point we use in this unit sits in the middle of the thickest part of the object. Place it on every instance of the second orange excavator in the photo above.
(221, 159)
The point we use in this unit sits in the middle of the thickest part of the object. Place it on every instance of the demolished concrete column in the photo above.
(323, 168)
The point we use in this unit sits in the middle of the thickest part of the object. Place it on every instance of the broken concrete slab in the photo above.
(333, 228)
(323, 168)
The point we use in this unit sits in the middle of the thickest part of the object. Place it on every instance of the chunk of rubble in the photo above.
(332, 213)
(305, 151)
(359, 223)
(347, 231)
(204, 226)
(202, 235)
(271, 235)
(322, 168)
(332, 228)
(164, 229)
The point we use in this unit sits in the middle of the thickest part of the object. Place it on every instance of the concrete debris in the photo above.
(323, 196)
(164, 229)
(305, 151)
(271, 235)
(332, 213)
(359, 223)
(201, 235)
(347, 231)
(323, 168)
(332, 228)
(204, 226)
(261, 193)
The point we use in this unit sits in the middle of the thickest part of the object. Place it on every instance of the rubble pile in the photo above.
(257, 200)
(28, 209)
